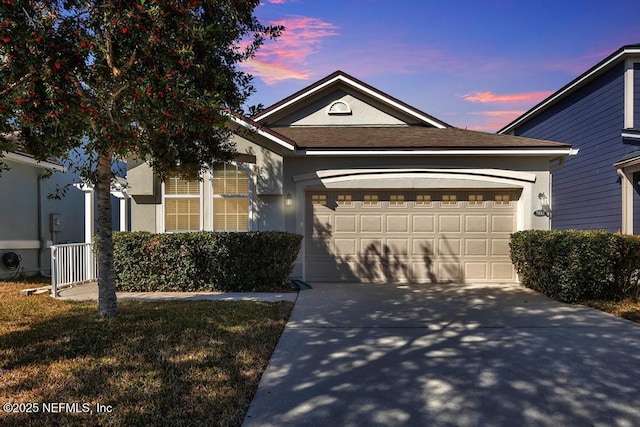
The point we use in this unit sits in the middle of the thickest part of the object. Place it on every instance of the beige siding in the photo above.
(364, 111)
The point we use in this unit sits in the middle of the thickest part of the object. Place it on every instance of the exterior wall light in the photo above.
(288, 201)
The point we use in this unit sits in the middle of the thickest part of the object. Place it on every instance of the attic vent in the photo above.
(339, 107)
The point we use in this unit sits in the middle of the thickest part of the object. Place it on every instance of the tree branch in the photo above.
(14, 85)
(117, 93)
(109, 54)
(130, 62)
(80, 91)
(117, 72)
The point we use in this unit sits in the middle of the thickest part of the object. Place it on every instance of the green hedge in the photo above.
(203, 261)
(577, 265)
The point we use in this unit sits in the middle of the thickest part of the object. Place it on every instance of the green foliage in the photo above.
(577, 265)
(151, 79)
(147, 79)
(203, 261)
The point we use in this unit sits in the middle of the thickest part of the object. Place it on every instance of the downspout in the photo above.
(41, 238)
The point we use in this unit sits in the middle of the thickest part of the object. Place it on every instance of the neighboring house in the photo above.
(599, 114)
(30, 222)
(379, 189)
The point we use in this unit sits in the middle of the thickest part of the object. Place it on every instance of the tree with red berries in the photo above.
(150, 79)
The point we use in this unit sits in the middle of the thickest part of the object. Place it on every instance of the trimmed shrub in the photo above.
(203, 261)
(577, 265)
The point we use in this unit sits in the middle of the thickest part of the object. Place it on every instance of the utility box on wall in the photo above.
(56, 223)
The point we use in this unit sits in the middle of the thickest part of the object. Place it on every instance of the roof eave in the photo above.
(605, 64)
(30, 161)
(264, 132)
(557, 152)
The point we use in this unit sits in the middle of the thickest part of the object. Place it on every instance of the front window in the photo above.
(231, 198)
(182, 204)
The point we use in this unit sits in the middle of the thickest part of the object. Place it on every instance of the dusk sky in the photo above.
(474, 64)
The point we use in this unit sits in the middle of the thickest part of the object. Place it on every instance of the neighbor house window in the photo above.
(182, 204)
(231, 198)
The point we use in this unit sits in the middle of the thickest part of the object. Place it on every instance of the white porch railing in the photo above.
(72, 263)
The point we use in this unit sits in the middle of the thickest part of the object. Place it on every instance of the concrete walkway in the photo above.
(448, 355)
(89, 291)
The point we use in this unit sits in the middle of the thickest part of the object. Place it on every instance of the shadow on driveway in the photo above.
(458, 355)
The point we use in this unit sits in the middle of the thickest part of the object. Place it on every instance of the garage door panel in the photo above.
(502, 271)
(476, 247)
(423, 246)
(345, 224)
(500, 247)
(423, 271)
(332, 271)
(398, 246)
(449, 270)
(370, 270)
(502, 223)
(475, 271)
(346, 246)
(450, 223)
(397, 223)
(320, 247)
(425, 235)
(370, 247)
(449, 246)
(423, 223)
(322, 225)
(371, 223)
(476, 224)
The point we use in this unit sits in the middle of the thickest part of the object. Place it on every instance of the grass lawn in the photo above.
(158, 363)
(626, 309)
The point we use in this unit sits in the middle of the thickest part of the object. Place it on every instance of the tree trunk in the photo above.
(107, 303)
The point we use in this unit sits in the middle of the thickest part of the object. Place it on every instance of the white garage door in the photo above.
(422, 236)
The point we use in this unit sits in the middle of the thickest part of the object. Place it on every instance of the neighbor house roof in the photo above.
(595, 71)
(407, 137)
(18, 154)
(344, 78)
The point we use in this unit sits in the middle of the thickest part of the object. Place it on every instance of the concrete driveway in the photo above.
(448, 355)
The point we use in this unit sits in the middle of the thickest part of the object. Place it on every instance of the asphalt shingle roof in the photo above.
(406, 137)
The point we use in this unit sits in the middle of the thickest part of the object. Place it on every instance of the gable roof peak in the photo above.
(340, 76)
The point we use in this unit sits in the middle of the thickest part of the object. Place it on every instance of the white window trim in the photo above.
(626, 171)
(252, 202)
(185, 196)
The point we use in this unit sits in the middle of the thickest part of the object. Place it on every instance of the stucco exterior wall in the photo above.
(529, 174)
(25, 216)
(268, 202)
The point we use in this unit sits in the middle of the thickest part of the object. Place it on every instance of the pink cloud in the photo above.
(277, 1)
(493, 120)
(286, 57)
(518, 98)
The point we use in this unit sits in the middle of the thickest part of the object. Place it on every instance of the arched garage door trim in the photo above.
(413, 178)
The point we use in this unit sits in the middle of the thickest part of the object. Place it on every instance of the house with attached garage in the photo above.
(380, 190)
(598, 113)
